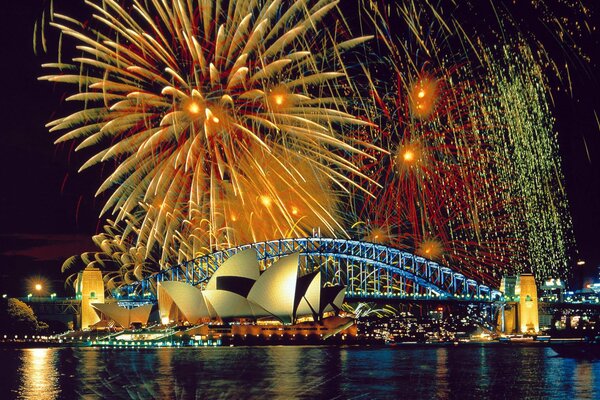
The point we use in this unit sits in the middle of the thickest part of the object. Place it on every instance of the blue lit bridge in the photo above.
(370, 271)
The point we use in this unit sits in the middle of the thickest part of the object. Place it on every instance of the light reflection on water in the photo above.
(502, 372)
(39, 376)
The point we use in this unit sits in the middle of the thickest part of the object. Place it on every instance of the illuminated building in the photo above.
(553, 289)
(521, 310)
(528, 319)
(89, 289)
(238, 291)
(507, 318)
(124, 317)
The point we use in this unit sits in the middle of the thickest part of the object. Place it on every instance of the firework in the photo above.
(118, 256)
(473, 176)
(526, 139)
(226, 122)
(229, 122)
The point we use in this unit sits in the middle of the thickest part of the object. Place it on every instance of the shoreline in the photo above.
(357, 344)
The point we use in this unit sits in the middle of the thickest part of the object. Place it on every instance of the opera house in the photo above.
(239, 299)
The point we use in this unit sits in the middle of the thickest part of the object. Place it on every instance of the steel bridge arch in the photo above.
(369, 270)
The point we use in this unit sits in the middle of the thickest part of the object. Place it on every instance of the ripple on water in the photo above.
(500, 372)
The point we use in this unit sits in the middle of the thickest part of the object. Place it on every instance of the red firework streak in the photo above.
(439, 196)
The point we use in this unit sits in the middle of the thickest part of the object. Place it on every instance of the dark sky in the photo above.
(47, 209)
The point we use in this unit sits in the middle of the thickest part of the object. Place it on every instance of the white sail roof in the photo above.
(238, 290)
(338, 300)
(188, 299)
(167, 309)
(310, 302)
(243, 264)
(124, 316)
(228, 304)
(275, 290)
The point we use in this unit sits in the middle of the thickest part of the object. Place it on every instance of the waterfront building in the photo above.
(124, 317)
(89, 289)
(238, 290)
(520, 313)
(240, 300)
(553, 290)
(526, 289)
(508, 316)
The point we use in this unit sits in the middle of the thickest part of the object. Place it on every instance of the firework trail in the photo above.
(473, 174)
(226, 122)
(229, 122)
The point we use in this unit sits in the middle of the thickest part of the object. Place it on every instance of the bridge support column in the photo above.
(528, 304)
(90, 289)
(507, 318)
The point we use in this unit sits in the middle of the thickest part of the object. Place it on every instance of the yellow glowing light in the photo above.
(431, 249)
(378, 235)
(38, 287)
(234, 218)
(279, 98)
(194, 108)
(409, 156)
(423, 96)
(529, 304)
(295, 211)
(266, 200)
(216, 120)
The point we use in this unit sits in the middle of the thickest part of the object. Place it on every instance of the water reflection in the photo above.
(39, 376)
(585, 382)
(298, 372)
(442, 387)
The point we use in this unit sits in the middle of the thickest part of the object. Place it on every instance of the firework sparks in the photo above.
(205, 108)
(230, 122)
(450, 191)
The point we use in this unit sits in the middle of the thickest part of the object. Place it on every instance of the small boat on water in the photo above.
(577, 348)
(516, 339)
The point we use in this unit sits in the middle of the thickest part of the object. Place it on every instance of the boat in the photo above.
(577, 348)
(516, 339)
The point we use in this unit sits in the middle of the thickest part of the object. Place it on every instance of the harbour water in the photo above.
(288, 372)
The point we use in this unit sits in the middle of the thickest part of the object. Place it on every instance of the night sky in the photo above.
(48, 211)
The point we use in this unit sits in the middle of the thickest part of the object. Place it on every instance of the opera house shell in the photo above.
(122, 316)
(238, 290)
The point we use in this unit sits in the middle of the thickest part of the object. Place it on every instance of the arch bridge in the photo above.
(370, 271)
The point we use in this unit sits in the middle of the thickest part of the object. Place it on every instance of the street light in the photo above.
(38, 285)
(580, 262)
